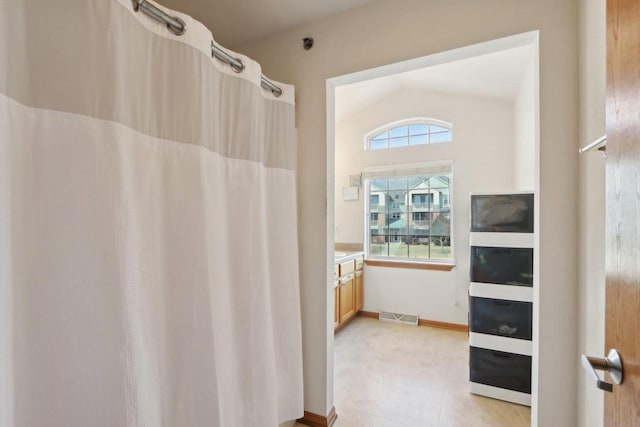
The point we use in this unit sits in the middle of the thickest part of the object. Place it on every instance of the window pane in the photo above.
(419, 235)
(441, 204)
(395, 223)
(395, 202)
(398, 246)
(383, 227)
(378, 185)
(374, 202)
(419, 247)
(380, 137)
(440, 137)
(401, 131)
(435, 129)
(378, 145)
(439, 181)
(376, 224)
(415, 181)
(441, 236)
(398, 142)
(420, 224)
(418, 129)
(420, 139)
(398, 183)
(378, 245)
(397, 229)
(421, 201)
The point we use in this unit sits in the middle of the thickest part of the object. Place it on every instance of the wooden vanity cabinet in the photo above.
(349, 294)
(347, 290)
(336, 307)
(359, 300)
(347, 302)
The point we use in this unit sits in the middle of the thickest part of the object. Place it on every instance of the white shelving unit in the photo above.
(500, 313)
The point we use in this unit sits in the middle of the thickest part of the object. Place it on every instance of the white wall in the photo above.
(592, 205)
(482, 153)
(525, 131)
(389, 31)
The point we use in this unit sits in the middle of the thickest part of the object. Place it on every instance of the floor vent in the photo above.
(405, 319)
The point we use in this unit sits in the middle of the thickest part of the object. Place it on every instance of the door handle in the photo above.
(612, 364)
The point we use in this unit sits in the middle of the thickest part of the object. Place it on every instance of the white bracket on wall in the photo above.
(355, 180)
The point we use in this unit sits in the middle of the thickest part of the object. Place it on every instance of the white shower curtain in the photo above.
(148, 237)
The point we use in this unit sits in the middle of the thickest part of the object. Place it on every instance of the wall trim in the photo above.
(315, 420)
(424, 322)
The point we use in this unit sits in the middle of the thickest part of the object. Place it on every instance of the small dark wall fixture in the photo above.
(307, 43)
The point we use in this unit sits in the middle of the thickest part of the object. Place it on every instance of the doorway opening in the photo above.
(407, 145)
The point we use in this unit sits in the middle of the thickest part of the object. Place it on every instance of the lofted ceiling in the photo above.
(494, 75)
(237, 22)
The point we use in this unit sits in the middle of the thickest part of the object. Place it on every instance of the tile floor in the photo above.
(391, 375)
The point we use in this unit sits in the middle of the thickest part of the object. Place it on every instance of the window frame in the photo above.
(406, 261)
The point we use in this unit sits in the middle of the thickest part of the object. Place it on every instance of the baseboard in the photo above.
(443, 325)
(370, 314)
(315, 420)
(424, 322)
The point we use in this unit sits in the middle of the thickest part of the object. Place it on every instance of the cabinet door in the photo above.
(336, 307)
(500, 369)
(347, 301)
(505, 318)
(359, 290)
(510, 213)
(347, 268)
(502, 266)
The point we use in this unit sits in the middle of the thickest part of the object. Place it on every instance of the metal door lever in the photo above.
(612, 364)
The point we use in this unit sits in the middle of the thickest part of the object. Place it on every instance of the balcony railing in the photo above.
(420, 224)
(420, 205)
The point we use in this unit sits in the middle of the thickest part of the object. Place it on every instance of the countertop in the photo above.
(344, 256)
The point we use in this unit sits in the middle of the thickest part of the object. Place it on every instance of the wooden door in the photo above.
(622, 406)
(347, 302)
(336, 307)
(359, 291)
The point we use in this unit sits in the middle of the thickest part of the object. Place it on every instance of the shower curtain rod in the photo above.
(178, 27)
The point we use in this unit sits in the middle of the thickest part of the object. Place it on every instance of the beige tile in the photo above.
(397, 375)
(464, 419)
(355, 418)
(484, 410)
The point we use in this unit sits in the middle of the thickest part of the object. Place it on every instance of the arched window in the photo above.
(409, 133)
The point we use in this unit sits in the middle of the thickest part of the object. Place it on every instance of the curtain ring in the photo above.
(237, 68)
(177, 30)
(174, 24)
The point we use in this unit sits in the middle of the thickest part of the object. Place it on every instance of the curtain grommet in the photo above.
(237, 68)
(178, 31)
